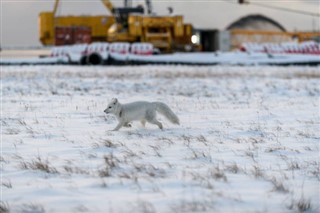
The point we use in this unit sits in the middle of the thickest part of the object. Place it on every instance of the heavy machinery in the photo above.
(50, 25)
(126, 24)
(167, 33)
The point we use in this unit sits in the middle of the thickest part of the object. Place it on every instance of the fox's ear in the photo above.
(114, 100)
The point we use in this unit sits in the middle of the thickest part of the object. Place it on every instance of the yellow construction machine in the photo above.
(126, 24)
(49, 22)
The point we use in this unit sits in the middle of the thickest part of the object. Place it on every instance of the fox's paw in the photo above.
(127, 125)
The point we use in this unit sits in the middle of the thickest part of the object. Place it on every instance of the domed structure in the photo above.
(256, 22)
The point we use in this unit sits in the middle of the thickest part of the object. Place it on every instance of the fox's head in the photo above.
(112, 106)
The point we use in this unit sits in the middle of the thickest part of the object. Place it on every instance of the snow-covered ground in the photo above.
(248, 140)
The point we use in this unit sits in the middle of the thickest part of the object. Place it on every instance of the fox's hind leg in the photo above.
(155, 121)
(151, 118)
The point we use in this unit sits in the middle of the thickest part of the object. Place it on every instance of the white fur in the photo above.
(141, 110)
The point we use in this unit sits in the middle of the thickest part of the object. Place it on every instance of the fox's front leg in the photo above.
(120, 124)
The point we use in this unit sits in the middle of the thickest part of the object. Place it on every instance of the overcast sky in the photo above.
(19, 18)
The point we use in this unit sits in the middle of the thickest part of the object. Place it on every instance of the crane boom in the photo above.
(108, 5)
(55, 8)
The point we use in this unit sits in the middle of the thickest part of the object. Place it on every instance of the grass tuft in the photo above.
(301, 205)
(40, 165)
(110, 162)
(4, 207)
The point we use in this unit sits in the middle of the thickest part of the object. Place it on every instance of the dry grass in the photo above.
(33, 208)
(4, 207)
(233, 168)
(278, 185)
(40, 165)
(144, 207)
(7, 184)
(110, 163)
(193, 206)
(301, 205)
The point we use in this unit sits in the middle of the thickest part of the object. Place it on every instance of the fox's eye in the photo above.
(109, 107)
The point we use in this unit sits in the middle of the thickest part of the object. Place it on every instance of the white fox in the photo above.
(140, 110)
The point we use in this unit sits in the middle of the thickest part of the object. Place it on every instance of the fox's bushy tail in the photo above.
(167, 112)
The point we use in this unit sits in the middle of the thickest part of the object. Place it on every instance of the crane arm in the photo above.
(56, 4)
(108, 5)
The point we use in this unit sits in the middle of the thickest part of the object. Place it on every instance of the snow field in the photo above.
(248, 140)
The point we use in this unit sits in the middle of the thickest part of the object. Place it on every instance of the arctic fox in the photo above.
(141, 110)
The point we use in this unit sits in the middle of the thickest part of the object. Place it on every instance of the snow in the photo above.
(34, 60)
(199, 58)
(248, 139)
(224, 58)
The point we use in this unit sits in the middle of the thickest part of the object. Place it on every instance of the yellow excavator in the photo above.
(126, 24)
